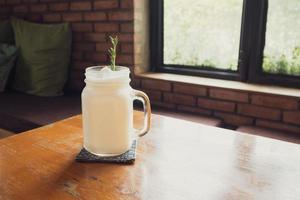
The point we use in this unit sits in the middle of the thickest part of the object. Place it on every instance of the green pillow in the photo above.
(7, 61)
(44, 57)
(6, 32)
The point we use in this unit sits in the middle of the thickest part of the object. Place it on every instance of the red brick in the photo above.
(189, 89)
(77, 37)
(158, 104)
(82, 27)
(124, 59)
(97, 57)
(179, 99)
(72, 17)
(103, 46)
(20, 9)
(34, 17)
(278, 126)
(94, 16)
(94, 37)
(77, 55)
(195, 110)
(59, 6)
(5, 10)
(38, 8)
(292, 117)
(125, 37)
(127, 28)
(275, 101)
(228, 95)
(234, 119)
(216, 105)
(127, 4)
(81, 6)
(30, 1)
(48, 1)
(12, 2)
(106, 27)
(127, 48)
(84, 46)
(153, 95)
(156, 85)
(20, 16)
(106, 4)
(52, 17)
(80, 65)
(259, 112)
(120, 16)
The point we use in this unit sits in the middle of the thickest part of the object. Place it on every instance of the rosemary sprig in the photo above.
(113, 52)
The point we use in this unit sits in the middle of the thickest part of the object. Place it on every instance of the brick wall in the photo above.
(232, 106)
(92, 22)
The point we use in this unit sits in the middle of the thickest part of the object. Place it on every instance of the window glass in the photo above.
(202, 33)
(282, 48)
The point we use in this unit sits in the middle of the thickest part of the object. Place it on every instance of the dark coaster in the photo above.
(126, 158)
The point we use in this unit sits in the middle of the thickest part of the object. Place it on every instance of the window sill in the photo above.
(226, 84)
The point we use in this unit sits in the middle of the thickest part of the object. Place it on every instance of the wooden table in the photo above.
(176, 160)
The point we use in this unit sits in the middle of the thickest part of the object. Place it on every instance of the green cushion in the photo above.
(6, 32)
(7, 61)
(44, 56)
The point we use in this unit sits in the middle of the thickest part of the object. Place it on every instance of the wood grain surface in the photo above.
(176, 160)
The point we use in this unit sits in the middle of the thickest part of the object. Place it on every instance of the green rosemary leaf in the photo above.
(113, 52)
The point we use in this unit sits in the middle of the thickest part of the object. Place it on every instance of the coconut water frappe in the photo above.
(107, 109)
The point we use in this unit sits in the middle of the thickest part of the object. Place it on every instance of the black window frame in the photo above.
(250, 58)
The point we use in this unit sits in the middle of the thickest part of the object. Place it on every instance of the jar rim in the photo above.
(97, 68)
(120, 75)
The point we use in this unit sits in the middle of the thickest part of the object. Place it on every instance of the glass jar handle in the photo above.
(141, 96)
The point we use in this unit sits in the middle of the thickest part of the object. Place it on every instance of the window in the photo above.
(194, 40)
(252, 41)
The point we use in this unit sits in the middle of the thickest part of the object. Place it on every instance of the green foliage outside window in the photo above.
(283, 65)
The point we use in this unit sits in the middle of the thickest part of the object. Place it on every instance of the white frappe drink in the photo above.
(107, 111)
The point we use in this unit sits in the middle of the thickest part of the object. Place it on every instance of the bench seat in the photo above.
(22, 112)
